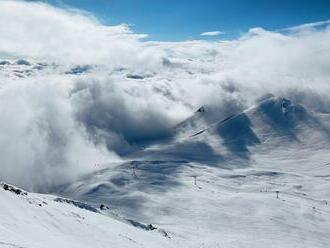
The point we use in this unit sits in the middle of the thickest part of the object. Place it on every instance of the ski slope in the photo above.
(243, 171)
(211, 181)
(239, 164)
(30, 220)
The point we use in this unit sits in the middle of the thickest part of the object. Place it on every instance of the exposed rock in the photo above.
(13, 189)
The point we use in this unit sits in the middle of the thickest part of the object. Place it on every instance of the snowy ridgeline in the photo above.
(119, 141)
(36, 220)
(258, 177)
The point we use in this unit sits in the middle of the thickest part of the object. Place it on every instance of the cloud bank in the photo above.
(102, 92)
(64, 35)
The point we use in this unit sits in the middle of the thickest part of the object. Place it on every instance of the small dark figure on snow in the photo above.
(201, 109)
(277, 192)
(285, 105)
(151, 227)
(5, 187)
(103, 207)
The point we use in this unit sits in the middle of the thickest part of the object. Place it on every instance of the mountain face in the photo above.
(230, 175)
(271, 124)
(227, 176)
(33, 220)
(109, 138)
(253, 175)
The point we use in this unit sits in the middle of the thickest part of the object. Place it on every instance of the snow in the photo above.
(239, 159)
(36, 220)
(208, 180)
(227, 208)
(234, 201)
(239, 208)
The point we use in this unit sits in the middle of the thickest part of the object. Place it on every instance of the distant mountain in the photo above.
(273, 122)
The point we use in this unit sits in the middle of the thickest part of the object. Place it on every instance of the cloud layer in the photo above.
(58, 122)
(39, 30)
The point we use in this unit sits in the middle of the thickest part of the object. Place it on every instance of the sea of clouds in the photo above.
(56, 126)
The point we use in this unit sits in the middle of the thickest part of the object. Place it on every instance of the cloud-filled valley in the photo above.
(92, 94)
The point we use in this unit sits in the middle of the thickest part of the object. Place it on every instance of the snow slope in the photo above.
(238, 137)
(30, 220)
(211, 183)
(239, 164)
(93, 115)
(238, 158)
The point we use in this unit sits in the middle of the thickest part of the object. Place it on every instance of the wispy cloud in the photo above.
(306, 26)
(212, 33)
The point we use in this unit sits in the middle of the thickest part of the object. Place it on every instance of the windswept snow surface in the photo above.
(38, 221)
(239, 164)
(240, 158)
(221, 144)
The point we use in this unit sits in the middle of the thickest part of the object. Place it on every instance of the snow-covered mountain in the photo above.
(218, 187)
(39, 220)
(270, 124)
(110, 140)
(227, 176)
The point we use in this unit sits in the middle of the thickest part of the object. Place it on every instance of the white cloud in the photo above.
(307, 26)
(212, 33)
(50, 120)
(39, 30)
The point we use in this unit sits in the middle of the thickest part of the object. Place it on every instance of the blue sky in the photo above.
(186, 19)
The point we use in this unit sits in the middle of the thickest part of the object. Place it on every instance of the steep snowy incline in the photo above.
(257, 179)
(222, 208)
(235, 139)
(31, 220)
